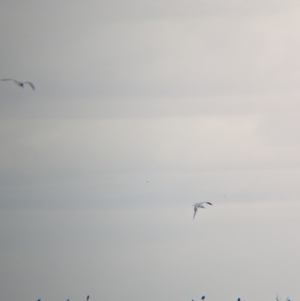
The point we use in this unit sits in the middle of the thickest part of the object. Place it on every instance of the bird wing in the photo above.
(195, 209)
(9, 79)
(30, 84)
(199, 204)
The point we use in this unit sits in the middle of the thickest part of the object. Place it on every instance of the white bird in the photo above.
(21, 84)
(200, 205)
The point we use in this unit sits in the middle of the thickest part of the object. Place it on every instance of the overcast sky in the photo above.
(141, 109)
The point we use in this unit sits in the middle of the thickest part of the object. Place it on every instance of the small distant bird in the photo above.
(87, 297)
(203, 297)
(200, 205)
(239, 299)
(39, 299)
(21, 84)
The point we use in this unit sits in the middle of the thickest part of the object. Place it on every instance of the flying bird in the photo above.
(21, 84)
(203, 297)
(87, 297)
(200, 205)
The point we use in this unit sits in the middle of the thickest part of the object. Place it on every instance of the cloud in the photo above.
(173, 53)
(141, 109)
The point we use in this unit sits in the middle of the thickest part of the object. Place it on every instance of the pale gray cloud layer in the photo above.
(141, 109)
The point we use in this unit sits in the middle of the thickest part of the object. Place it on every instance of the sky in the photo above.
(141, 109)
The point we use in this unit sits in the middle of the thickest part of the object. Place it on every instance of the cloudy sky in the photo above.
(141, 109)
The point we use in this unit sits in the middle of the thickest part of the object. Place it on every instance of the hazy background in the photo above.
(141, 109)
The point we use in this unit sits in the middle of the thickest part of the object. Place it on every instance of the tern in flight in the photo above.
(21, 84)
(200, 205)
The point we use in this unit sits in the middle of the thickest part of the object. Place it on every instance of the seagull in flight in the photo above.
(21, 84)
(200, 205)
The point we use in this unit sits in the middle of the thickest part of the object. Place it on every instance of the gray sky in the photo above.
(200, 99)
